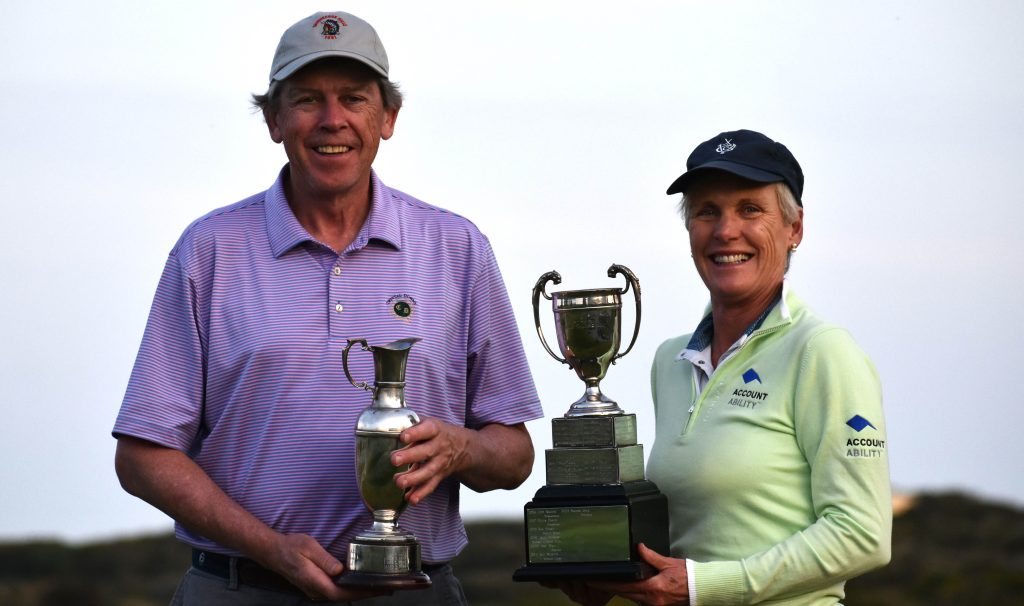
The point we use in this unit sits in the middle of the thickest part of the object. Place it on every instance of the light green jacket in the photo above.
(778, 480)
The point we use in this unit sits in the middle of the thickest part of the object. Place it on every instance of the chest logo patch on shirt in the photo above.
(863, 447)
(402, 306)
(745, 397)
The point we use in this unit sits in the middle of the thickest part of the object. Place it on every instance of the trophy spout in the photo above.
(389, 361)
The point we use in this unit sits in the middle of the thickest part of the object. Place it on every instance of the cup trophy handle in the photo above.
(538, 290)
(344, 363)
(630, 280)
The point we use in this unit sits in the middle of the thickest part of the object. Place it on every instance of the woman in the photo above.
(770, 443)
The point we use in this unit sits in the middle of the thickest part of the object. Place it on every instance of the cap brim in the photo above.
(740, 170)
(305, 60)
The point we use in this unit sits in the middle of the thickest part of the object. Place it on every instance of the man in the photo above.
(238, 421)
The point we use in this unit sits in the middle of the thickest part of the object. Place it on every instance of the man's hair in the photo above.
(271, 100)
(787, 204)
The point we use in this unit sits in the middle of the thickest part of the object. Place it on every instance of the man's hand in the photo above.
(171, 481)
(308, 566)
(494, 456)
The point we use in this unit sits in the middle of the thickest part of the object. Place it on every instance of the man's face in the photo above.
(739, 238)
(330, 119)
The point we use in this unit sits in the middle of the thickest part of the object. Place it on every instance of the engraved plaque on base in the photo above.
(596, 506)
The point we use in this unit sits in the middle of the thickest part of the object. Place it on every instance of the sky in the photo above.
(556, 127)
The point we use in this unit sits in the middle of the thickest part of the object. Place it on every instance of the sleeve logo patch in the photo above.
(863, 448)
(859, 423)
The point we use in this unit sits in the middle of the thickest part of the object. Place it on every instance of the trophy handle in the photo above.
(344, 364)
(538, 290)
(630, 280)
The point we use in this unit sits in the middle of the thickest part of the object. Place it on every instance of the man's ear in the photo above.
(271, 119)
(388, 127)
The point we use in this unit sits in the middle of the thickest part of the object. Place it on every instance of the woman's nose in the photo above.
(727, 227)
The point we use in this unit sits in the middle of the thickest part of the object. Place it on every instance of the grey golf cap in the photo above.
(330, 34)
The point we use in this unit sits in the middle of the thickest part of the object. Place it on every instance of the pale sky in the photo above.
(556, 127)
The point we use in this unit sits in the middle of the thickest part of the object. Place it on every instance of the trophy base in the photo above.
(413, 580)
(392, 563)
(611, 571)
(590, 531)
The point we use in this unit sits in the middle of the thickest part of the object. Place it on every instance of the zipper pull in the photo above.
(692, 406)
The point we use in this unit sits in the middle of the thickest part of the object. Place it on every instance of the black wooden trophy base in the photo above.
(590, 531)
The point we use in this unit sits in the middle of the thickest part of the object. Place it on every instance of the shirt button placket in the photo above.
(335, 300)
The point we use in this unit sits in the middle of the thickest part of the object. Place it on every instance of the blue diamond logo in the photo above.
(859, 423)
(751, 375)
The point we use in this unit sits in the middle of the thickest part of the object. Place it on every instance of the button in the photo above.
(337, 270)
(338, 307)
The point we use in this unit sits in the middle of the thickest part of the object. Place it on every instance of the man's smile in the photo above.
(332, 149)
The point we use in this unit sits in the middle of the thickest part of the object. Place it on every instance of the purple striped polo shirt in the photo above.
(240, 364)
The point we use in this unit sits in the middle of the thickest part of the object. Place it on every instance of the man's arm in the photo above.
(494, 456)
(172, 482)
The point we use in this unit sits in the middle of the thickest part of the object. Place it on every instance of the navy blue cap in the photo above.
(747, 154)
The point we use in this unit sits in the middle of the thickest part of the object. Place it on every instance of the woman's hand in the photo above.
(668, 587)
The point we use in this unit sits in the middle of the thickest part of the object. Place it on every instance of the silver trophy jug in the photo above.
(383, 555)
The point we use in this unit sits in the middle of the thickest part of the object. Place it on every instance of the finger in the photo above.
(420, 432)
(328, 564)
(653, 557)
(423, 490)
(410, 455)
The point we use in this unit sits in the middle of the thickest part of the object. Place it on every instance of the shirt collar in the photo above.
(384, 222)
(701, 338)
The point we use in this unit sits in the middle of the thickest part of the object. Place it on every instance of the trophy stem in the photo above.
(594, 404)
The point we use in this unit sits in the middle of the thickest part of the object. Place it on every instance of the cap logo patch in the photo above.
(726, 147)
(330, 26)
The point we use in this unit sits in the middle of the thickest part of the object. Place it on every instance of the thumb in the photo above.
(653, 557)
(329, 564)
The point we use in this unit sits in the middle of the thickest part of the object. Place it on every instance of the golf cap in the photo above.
(746, 154)
(323, 35)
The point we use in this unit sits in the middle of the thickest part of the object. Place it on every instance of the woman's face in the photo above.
(739, 238)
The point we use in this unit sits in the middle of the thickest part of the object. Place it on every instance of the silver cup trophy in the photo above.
(384, 555)
(588, 325)
(596, 506)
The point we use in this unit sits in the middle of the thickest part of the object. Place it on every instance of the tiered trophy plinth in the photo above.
(596, 507)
